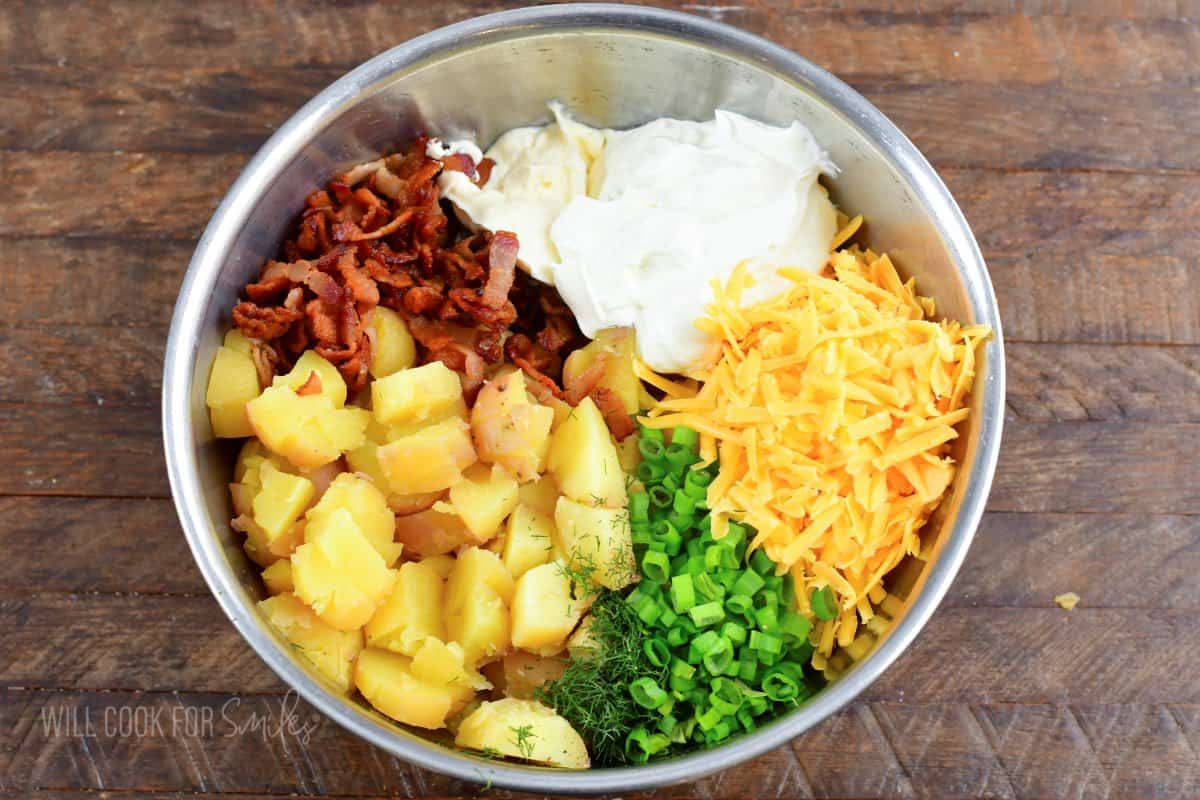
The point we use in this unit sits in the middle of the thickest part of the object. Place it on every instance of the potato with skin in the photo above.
(523, 729)
(483, 498)
(583, 459)
(545, 609)
(478, 593)
(411, 613)
(528, 540)
(523, 673)
(432, 533)
(330, 650)
(367, 506)
(509, 430)
(393, 346)
(307, 430)
(598, 541)
(428, 461)
(340, 575)
(387, 682)
(232, 383)
(423, 395)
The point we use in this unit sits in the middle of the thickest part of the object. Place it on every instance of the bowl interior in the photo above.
(612, 68)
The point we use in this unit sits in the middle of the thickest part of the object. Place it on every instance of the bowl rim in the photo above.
(183, 343)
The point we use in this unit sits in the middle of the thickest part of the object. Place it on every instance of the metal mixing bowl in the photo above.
(613, 66)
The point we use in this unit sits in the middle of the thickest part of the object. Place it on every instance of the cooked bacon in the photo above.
(257, 322)
(581, 385)
(359, 173)
(502, 264)
(322, 322)
(265, 361)
(620, 424)
(557, 333)
(294, 299)
(422, 299)
(484, 171)
(388, 183)
(459, 162)
(396, 224)
(358, 283)
(312, 385)
(325, 287)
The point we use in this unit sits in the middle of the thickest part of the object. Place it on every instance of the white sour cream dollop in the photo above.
(632, 226)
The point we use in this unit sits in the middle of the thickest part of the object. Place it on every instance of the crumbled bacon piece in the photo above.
(620, 424)
(310, 386)
(258, 322)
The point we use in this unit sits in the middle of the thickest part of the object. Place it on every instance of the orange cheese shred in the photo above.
(832, 409)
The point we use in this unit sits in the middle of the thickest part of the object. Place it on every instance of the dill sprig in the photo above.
(592, 695)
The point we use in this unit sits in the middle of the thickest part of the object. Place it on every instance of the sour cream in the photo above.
(632, 226)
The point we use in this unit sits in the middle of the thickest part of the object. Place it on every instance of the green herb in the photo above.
(523, 737)
(592, 693)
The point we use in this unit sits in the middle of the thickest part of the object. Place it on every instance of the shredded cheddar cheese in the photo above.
(831, 409)
(1067, 600)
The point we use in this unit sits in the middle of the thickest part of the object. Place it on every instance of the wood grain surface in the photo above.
(1068, 130)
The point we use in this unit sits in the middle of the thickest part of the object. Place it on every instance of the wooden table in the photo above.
(1071, 138)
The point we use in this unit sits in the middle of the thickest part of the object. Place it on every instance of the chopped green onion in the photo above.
(656, 566)
(654, 434)
(676, 637)
(657, 651)
(639, 508)
(717, 659)
(739, 604)
(779, 685)
(707, 614)
(683, 593)
(794, 628)
(685, 437)
(651, 449)
(748, 583)
(823, 603)
(667, 618)
(646, 693)
(637, 745)
(762, 563)
(765, 644)
(650, 472)
(734, 632)
(707, 587)
(766, 618)
(667, 724)
(708, 719)
(659, 497)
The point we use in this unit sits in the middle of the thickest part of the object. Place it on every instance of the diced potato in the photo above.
(478, 593)
(252, 454)
(483, 498)
(597, 540)
(439, 662)
(524, 672)
(523, 729)
(583, 459)
(425, 394)
(617, 346)
(440, 564)
(432, 533)
(528, 540)
(428, 461)
(232, 383)
(340, 574)
(544, 612)
(628, 455)
(365, 460)
(307, 430)
(509, 430)
(323, 476)
(406, 504)
(386, 680)
(333, 385)
(412, 612)
(331, 651)
(281, 501)
(394, 348)
(278, 577)
(583, 642)
(540, 495)
(367, 506)
(236, 340)
(560, 407)
(257, 545)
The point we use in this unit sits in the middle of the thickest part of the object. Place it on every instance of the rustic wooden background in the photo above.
(1069, 130)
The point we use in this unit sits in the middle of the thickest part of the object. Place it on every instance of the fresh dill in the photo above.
(523, 737)
(586, 693)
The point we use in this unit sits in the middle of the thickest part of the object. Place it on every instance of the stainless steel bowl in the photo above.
(614, 66)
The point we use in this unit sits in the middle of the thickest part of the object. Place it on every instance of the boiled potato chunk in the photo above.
(522, 673)
(232, 383)
(307, 430)
(428, 461)
(483, 498)
(411, 613)
(394, 348)
(386, 680)
(583, 642)
(365, 460)
(432, 533)
(509, 430)
(544, 612)
(583, 459)
(280, 501)
(616, 346)
(278, 577)
(333, 385)
(330, 650)
(541, 495)
(236, 340)
(441, 564)
(528, 540)
(439, 663)
(367, 506)
(250, 457)
(628, 455)
(597, 540)
(478, 593)
(340, 574)
(426, 394)
(523, 729)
